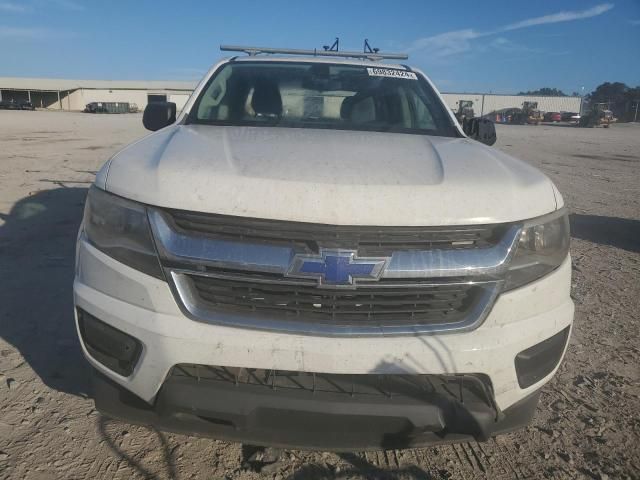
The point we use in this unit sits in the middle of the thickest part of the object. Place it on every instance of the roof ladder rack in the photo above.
(373, 55)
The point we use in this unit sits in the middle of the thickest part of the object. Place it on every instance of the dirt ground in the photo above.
(588, 422)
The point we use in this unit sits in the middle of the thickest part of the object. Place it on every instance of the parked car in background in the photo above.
(552, 117)
(569, 116)
(107, 107)
(11, 104)
(505, 115)
(26, 105)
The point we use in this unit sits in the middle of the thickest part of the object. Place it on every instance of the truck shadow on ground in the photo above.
(357, 467)
(37, 256)
(37, 250)
(115, 440)
(559, 124)
(616, 232)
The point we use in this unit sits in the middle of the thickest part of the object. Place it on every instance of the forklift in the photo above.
(465, 110)
(598, 116)
(465, 113)
(531, 114)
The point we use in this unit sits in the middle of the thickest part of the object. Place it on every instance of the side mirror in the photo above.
(158, 115)
(480, 129)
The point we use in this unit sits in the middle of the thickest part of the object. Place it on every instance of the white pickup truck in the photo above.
(314, 254)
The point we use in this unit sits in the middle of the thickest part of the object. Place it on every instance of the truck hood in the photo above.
(328, 176)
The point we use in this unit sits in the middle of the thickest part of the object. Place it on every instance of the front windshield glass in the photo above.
(320, 95)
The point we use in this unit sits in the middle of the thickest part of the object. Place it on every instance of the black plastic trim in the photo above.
(535, 363)
(111, 347)
(324, 421)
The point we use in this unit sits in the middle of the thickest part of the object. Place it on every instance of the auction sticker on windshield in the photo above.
(390, 72)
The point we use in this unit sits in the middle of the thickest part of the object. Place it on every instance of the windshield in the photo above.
(320, 95)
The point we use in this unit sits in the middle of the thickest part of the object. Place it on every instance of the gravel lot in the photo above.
(588, 422)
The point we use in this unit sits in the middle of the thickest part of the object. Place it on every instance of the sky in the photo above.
(464, 46)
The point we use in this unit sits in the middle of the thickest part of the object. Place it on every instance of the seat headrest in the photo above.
(266, 99)
(347, 107)
(358, 109)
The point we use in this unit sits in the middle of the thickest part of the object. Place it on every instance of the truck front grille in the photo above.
(310, 237)
(241, 272)
(381, 305)
(352, 385)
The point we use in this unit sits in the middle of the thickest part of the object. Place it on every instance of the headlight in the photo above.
(543, 246)
(120, 228)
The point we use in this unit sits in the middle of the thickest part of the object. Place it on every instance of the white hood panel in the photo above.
(329, 176)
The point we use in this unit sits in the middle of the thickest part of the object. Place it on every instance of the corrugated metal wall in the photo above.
(497, 102)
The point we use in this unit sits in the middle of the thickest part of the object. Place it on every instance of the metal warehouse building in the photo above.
(484, 103)
(58, 94)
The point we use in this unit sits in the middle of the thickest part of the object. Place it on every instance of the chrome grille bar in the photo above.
(235, 272)
(201, 251)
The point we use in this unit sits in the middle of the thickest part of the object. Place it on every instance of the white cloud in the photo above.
(503, 44)
(460, 41)
(559, 17)
(13, 7)
(445, 44)
(635, 23)
(32, 33)
(69, 5)
(22, 33)
(9, 7)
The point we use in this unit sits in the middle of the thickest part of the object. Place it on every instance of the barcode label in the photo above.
(390, 72)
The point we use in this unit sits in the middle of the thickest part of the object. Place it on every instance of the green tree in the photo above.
(613, 93)
(546, 91)
(620, 98)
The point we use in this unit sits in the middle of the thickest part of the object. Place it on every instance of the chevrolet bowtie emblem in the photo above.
(337, 267)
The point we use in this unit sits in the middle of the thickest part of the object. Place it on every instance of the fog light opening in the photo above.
(535, 363)
(109, 346)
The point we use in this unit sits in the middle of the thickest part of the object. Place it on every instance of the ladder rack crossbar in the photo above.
(373, 56)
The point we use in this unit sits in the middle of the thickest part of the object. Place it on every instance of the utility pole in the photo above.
(635, 116)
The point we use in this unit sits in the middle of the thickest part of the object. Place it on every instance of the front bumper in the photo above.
(144, 308)
(301, 418)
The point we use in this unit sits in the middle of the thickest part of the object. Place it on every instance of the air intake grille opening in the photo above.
(310, 237)
(363, 306)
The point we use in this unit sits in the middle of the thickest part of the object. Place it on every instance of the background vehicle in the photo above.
(9, 105)
(599, 115)
(13, 105)
(107, 107)
(465, 110)
(25, 105)
(552, 117)
(530, 114)
(505, 115)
